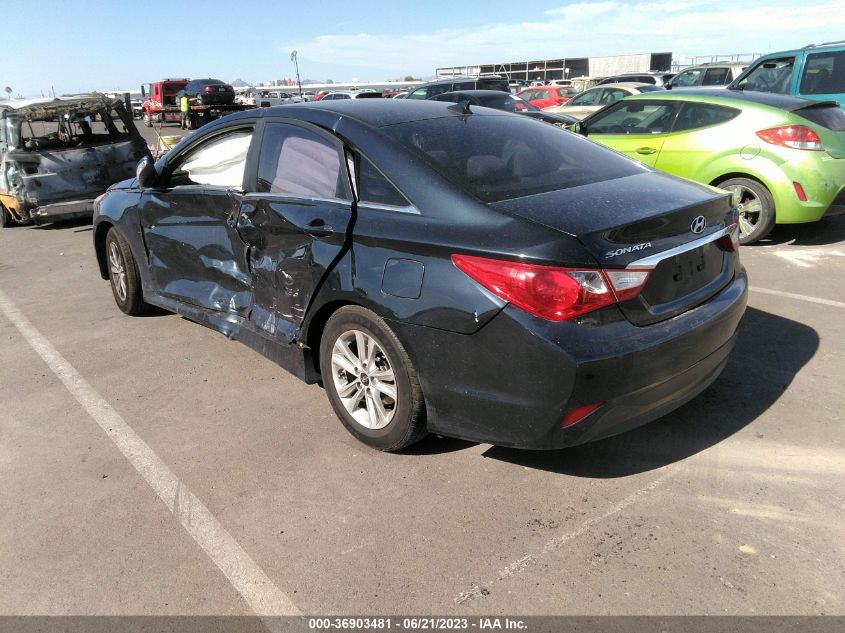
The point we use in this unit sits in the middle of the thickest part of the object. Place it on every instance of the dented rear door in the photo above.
(295, 223)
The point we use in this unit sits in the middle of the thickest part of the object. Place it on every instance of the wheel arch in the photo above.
(316, 327)
(100, 233)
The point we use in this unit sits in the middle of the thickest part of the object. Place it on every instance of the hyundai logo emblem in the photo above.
(698, 224)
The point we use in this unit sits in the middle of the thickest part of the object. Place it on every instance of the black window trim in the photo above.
(680, 106)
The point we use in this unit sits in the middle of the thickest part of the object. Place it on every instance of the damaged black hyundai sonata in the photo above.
(438, 268)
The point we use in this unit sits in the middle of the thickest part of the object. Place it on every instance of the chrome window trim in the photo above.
(389, 207)
(293, 197)
(653, 260)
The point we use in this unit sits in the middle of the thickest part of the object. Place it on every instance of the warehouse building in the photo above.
(565, 68)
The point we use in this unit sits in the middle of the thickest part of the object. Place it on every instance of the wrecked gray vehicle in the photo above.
(58, 155)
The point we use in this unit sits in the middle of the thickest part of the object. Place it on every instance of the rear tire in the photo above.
(123, 275)
(756, 208)
(6, 220)
(370, 380)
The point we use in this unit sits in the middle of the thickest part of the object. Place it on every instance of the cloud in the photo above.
(587, 29)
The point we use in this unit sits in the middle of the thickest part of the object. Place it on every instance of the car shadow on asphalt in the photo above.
(822, 233)
(769, 353)
(68, 224)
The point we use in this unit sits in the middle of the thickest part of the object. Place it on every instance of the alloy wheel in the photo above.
(364, 380)
(749, 206)
(118, 271)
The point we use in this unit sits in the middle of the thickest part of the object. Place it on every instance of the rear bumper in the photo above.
(512, 383)
(62, 211)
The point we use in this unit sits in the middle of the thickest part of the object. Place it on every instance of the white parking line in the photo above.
(521, 564)
(263, 597)
(792, 295)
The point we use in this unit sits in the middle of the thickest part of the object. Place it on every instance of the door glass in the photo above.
(772, 75)
(300, 162)
(634, 118)
(463, 85)
(612, 95)
(419, 93)
(824, 74)
(219, 162)
(687, 78)
(376, 188)
(697, 115)
(586, 98)
(717, 77)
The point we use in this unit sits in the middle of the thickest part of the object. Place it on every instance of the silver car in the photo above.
(714, 75)
(598, 97)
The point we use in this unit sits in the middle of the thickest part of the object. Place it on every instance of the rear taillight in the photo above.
(550, 292)
(209, 89)
(794, 136)
(730, 242)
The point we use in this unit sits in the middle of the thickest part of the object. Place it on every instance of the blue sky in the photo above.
(119, 44)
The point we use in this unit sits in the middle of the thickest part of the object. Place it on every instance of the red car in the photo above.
(321, 94)
(546, 96)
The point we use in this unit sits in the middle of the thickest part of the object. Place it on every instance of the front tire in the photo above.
(756, 208)
(370, 380)
(123, 275)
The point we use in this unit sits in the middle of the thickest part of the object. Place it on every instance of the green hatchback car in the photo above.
(782, 157)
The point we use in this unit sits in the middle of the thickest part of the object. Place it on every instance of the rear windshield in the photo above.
(830, 117)
(503, 157)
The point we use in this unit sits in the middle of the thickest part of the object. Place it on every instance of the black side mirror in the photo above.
(579, 127)
(145, 172)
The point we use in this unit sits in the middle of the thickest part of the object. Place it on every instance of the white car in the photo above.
(596, 98)
(352, 94)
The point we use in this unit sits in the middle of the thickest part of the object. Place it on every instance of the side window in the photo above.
(697, 115)
(771, 75)
(634, 117)
(219, 162)
(375, 188)
(612, 95)
(590, 97)
(300, 162)
(438, 89)
(824, 73)
(419, 93)
(717, 77)
(463, 85)
(690, 77)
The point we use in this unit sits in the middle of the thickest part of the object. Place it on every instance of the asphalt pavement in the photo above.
(149, 466)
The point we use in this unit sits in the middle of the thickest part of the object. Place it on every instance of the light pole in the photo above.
(296, 64)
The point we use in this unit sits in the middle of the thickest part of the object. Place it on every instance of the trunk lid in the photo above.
(652, 221)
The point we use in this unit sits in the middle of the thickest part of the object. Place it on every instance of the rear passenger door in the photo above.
(295, 220)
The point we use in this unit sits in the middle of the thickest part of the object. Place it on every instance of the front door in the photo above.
(295, 221)
(189, 223)
(636, 128)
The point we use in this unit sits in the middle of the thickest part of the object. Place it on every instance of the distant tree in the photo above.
(409, 78)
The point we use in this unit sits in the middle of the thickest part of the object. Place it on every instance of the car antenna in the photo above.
(461, 107)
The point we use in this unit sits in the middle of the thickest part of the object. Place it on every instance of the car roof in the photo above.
(39, 106)
(622, 84)
(370, 112)
(784, 102)
(479, 93)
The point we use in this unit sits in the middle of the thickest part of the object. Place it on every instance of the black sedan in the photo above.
(499, 100)
(208, 92)
(439, 269)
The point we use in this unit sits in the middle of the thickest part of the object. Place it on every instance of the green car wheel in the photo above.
(756, 208)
